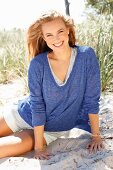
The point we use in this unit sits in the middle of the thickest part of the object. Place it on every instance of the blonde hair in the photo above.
(35, 41)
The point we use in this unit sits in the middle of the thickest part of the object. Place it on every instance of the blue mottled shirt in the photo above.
(61, 108)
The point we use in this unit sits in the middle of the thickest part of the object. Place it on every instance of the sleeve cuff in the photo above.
(38, 119)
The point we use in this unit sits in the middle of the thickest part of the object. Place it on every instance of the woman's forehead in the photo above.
(54, 24)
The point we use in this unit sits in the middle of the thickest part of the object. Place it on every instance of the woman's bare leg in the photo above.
(4, 129)
(16, 144)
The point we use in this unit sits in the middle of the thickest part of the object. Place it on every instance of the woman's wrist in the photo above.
(96, 135)
(39, 148)
(39, 138)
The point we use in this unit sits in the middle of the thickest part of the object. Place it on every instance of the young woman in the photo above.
(64, 85)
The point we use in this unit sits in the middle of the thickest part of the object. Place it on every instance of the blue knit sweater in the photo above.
(60, 108)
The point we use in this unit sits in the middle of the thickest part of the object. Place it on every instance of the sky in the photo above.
(22, 13)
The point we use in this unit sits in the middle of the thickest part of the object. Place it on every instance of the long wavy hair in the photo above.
(35, 41)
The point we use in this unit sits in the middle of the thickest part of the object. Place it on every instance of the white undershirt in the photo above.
(72, 59)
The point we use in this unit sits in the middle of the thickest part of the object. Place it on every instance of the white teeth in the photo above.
(59, 44)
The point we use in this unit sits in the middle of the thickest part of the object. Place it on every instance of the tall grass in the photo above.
(97, 32)
(13, 60)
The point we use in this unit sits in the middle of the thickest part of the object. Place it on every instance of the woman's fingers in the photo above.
(42, 155)
(102, 146)
(99, 147)
(95, 146)
(88, 146)
(91, 148)
(95, 149)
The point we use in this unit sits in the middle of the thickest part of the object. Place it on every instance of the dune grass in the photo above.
(96, 32)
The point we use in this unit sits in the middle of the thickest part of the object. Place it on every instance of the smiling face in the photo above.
(55, 33)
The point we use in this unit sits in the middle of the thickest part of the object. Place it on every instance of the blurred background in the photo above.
(94, 27)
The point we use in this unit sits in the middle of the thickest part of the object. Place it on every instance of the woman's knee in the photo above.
(17, 144)
(25, 140)
(4, 128)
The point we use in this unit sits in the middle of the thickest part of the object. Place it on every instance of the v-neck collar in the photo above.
(70, 76)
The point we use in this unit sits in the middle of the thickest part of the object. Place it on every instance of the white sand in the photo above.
(71, 154)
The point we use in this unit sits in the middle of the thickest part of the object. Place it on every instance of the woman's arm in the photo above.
(39, 138)
(94, 123)
(96, 142)
(92, 98)
(40, 143)
(37, 105)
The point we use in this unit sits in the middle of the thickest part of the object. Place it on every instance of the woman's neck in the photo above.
(63, 55)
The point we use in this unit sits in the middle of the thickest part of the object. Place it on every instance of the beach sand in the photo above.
(69, 153)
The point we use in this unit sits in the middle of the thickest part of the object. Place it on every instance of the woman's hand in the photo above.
(40, 143)
(42, 154)
(95, 145)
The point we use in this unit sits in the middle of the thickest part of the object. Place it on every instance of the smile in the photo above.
(58, 44)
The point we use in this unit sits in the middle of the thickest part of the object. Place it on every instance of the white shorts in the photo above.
(13, 119)
(16, 123)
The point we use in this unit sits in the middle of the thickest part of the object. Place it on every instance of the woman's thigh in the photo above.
(17, 144)
(4, 128)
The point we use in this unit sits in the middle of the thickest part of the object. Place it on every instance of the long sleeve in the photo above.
(93, 85)
(61, 108)
(36, 97)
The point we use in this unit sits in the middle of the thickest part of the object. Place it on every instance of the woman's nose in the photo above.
(56, 37)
